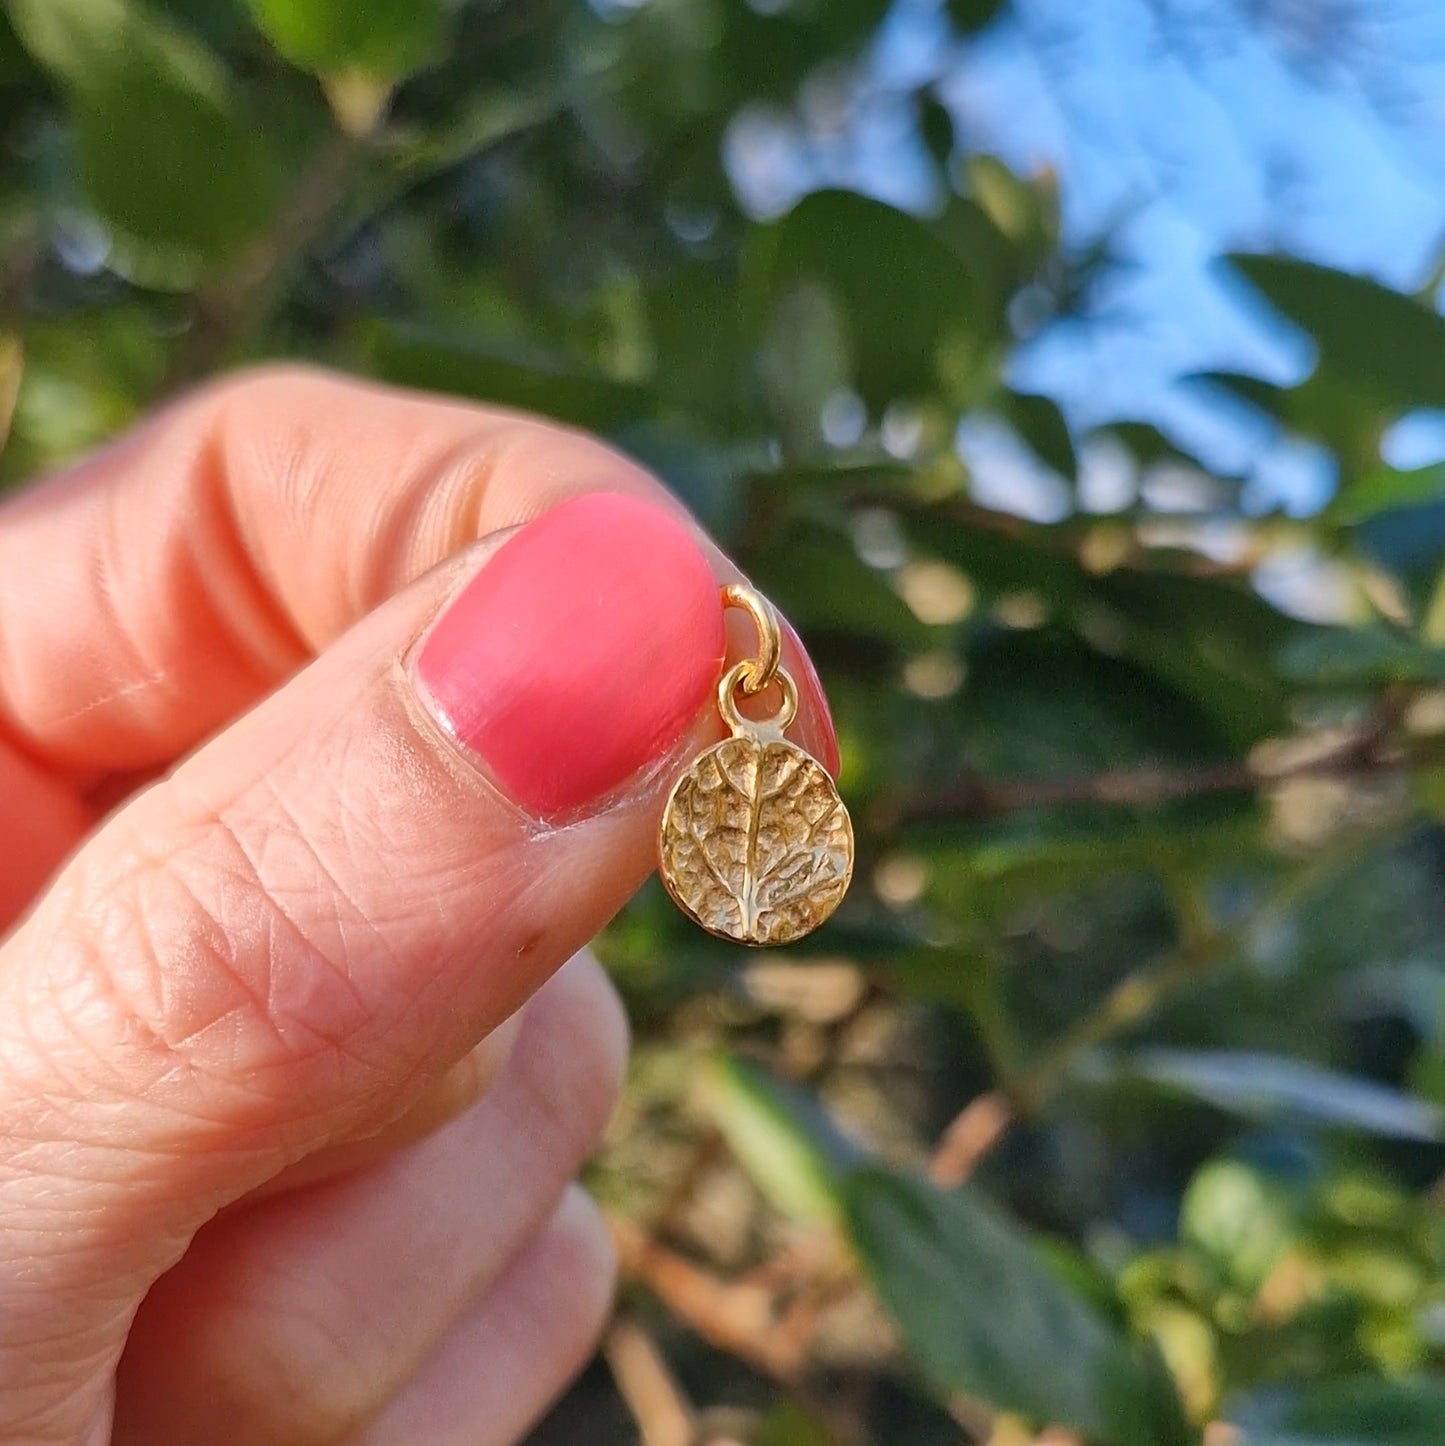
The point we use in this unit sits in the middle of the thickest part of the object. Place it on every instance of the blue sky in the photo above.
(1189, 128)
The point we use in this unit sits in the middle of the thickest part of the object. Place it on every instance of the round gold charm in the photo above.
(756, 845)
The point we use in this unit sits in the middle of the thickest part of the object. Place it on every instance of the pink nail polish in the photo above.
(812, 701)
(582, 651)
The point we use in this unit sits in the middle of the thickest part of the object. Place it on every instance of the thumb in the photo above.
(291, 936)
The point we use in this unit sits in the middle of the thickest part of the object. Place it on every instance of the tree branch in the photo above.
(975, 798)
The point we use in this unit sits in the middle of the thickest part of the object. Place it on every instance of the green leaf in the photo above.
(1384, 343)
(1346, 417)
(973, 15)
(804, 361)
(1386, 490)
(1264, 396)
(430, 358)
(383, 39)
(86, 377)
(1041, 424)
(788, 1424)
(1215, 639)
(986, 1316)
(1360, 658)
(1265, 1086)
(935, 123)
(911, 312)
(165, 153)
(1365, 1411)
(821, 583)
(1238, 1218)
(1043, 702)
(1147, 444)
(781, 1136)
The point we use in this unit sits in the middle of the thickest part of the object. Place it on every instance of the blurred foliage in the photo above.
(1149, 901)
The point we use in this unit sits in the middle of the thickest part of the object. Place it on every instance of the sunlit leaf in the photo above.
(784, 1140)
(1240, 1219)
(1385, 490)
(386, 39)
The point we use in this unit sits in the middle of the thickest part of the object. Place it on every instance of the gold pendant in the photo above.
(755, 844)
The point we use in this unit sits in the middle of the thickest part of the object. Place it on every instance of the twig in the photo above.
(739, 1318)
(663, 1413)
(1141, 994)
(977, 1128)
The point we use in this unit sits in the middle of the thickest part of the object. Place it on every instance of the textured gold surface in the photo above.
(756, 845)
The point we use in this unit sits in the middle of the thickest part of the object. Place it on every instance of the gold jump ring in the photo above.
(736, 678)
(757, 672)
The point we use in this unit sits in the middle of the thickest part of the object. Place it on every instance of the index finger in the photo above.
(165, 584)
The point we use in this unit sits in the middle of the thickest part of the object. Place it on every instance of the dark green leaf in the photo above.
(972, 15)
(1389, 346)
(910, 309)
(1350, 1412)
(986, 1316)
(1041, 424)
(1361, 658)
(819, 580)
(1265, 396)
(1147, 444)
(166, 154)
(418, 356)
(936, 123)
(1266, 1087)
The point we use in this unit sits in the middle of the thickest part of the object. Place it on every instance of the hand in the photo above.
(254, 1186)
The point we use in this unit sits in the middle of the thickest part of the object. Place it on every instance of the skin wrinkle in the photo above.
(221, 942)
(104, 1058)
(114, 560)
(153, 1022)
(431, 896)
(153, 1033)
(429, 497)
(306, 466)
(137, 1026)
(260, 628)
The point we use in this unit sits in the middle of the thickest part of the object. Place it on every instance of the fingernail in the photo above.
(812, 700)
(582, 651)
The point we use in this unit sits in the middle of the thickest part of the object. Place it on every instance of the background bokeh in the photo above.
(1002, 345)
